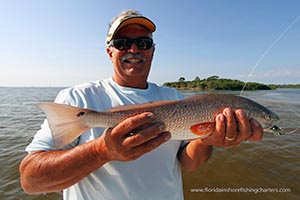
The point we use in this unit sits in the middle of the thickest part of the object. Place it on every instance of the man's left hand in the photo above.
(232, 128)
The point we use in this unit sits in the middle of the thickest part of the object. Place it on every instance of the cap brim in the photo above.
(131, 20)
(138, 20)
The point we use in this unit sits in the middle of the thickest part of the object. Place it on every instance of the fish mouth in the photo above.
(131, 58)
(271, 125)
(275, 130)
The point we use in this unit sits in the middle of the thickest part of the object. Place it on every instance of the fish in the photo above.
(185, 119)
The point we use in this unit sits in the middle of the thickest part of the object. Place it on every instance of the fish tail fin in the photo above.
(66, 122)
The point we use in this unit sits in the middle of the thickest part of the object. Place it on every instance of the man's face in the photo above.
(128, 70)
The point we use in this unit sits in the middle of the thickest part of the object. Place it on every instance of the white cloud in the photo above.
(273, 76)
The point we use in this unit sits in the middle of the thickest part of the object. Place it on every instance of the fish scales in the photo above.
(185, 119)
(178, 116)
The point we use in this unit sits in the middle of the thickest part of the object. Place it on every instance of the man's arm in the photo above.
(49, 171)
(229, 124)
(56, 170)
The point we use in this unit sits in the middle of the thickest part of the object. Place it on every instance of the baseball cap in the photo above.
(126, 19)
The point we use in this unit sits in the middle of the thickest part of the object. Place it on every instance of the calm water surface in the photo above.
(262, 170)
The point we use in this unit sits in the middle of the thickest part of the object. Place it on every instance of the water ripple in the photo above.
(274, 162)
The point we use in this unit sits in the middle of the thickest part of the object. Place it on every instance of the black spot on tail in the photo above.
(80, 114)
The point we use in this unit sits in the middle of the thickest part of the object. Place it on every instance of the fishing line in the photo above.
(266, 52)
(293, 131)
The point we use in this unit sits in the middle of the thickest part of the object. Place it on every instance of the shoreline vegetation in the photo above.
(217, 83)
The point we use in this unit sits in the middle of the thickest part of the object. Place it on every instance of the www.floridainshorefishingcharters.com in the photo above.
(240, 189)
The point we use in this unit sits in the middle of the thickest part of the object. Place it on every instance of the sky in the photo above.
(53, 43)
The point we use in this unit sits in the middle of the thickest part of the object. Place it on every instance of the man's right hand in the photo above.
(134, 137)
(48, 171)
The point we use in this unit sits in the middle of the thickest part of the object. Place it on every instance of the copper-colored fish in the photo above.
(185, 119)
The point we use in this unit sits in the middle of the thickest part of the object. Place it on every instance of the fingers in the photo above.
(257, 131)
(217, 138)
(231, 125)
(131, 123)
(234, 127)
(153, 143)
(146, 136)
(238, 126)
(244, 127)
(220, 125)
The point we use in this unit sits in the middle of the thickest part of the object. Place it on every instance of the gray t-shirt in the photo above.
(155, 175)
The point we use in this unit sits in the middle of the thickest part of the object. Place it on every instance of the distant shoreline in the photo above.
(216, 83)
(210, 83)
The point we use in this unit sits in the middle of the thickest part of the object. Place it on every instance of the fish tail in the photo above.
(66, 122)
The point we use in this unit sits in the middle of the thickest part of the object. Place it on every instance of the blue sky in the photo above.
(62, 42)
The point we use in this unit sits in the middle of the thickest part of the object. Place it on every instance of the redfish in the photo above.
(186, 119)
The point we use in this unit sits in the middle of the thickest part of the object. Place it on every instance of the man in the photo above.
(135, 159)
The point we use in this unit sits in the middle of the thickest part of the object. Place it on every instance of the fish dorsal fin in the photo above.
(149, 105)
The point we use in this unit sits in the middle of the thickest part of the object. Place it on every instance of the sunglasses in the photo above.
(142, 43)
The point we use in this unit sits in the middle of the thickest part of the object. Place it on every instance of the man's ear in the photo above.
(109, 52)
(153, 51)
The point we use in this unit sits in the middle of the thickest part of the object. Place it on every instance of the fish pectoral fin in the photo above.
(202, 129)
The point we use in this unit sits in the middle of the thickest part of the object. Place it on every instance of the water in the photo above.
(255, 170)
(19, 120)
(258, 168)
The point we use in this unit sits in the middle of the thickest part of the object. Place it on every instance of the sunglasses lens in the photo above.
(121, 44)
(143, 43)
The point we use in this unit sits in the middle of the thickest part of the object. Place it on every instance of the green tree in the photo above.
(197, 79)
(181, 79)
(212, 77)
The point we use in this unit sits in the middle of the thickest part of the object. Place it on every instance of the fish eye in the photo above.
(268, 116)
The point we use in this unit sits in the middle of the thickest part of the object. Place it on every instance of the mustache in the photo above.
(132, 56)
